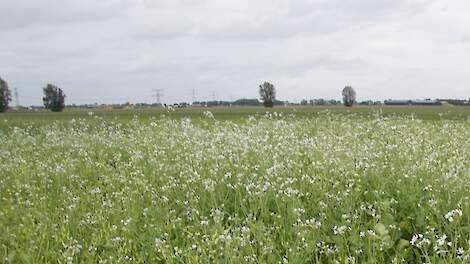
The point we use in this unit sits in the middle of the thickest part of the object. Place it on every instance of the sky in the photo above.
(113, 51)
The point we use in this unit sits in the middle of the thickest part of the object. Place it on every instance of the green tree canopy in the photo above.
(267, 93)
(5, 95)
(54, 98)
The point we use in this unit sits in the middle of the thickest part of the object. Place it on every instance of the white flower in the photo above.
(453, 214)
(339, 230)
(159, 242)
(441, 241)
(313, 223)
(419, 241)
(208, 114)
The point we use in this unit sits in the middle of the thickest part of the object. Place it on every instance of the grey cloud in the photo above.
(27, 13)
(303, 18)
(109, 50)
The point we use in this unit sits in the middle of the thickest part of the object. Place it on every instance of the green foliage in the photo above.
(349, 96)
(5, 95)
(54, 98)
(268, 94)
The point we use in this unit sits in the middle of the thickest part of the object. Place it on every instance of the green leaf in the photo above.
(381, 230)
(402, 244)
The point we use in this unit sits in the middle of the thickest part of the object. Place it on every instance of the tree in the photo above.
(267, 93)
(5, 95)
(349, 96)
(54, 98)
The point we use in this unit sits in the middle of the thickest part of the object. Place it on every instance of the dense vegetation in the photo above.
(270, 188)
(54, 98)
(5, 95)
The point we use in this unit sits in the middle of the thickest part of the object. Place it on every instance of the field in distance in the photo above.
(238, 113)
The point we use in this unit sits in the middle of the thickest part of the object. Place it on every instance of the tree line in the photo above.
(267, 92)
(54, 97)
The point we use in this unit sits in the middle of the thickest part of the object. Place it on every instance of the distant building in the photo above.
(397, 102)
(426, 102)
(413, 102)
(458, 102)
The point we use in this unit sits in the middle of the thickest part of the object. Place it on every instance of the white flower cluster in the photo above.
(450, 216)
(420, 241)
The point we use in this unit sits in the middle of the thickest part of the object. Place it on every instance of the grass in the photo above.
(237, 113)
(241, 186)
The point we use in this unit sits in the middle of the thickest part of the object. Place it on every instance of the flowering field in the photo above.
(272, 188)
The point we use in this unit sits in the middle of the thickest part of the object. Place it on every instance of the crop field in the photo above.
(237, 113)
(241, 186)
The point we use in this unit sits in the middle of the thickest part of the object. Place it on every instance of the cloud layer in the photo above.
(120, 50)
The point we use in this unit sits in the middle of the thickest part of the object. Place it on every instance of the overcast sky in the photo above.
(120, 50)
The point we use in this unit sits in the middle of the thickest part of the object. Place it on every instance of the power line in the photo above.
(17, 98)
(194, 95)
(158, 95)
